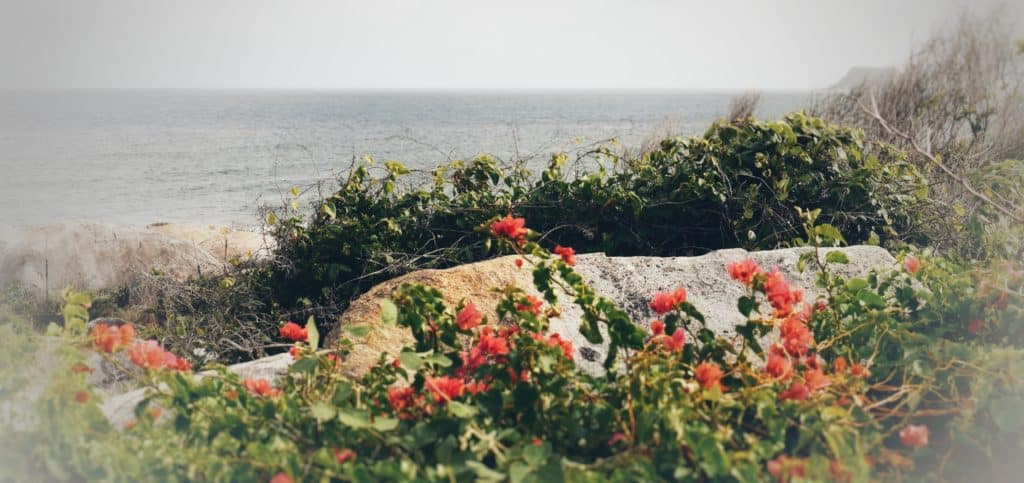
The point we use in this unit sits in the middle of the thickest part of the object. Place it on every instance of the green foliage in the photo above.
(471, 401)
(735, 186)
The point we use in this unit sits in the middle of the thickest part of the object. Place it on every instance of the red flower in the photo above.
(779, 365)
(839, 365)
(796, 392)
(556, 340)
(796, 336)
(295, 352)
(743, 271)
(150, 355)
(341, 456)
(664, 302)
(281, 478)
(709, 375)
(445, 388)
(657, 327)
(779, 295)
(568, 254)
(81, 397)
(674, 342)
(400, 398)
(468, 317)
(512, 228)
(859, 370)
(109, 339)
(231, 394)
(975, 326)
(914, 436)
(492, 344)
(912, 264)
(816, 379)
(477, 387)
(294, 332)
(532, 305)
(261, 387)
(519, 263)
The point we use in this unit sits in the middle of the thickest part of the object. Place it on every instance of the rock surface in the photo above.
(93, 256)
(628, 281)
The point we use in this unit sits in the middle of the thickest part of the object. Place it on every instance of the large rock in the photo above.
(93, 256)
(628, 281)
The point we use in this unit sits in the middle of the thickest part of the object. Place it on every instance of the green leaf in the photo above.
(837, 257)
(322, 411)
(871, 299)
(384, 424)
(856, 284)
(329, 210)
(388, 312)
(746, 304)
(461, 410)
(354, 418)
(484, 473)
(359, 331)
(271, 218)
(410, 360)
(313, 334)
(305, 365)
(438, 359)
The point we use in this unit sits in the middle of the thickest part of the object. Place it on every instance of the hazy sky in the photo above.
(458, 43)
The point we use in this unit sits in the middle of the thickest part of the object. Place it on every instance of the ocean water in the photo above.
(137, 157)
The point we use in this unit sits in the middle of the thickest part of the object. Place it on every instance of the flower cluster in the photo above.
(513, 229)
(664, 302)
(294, 332)
(146, 354)
(150, 355)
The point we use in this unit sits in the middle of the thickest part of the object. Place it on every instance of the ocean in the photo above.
(144, 156)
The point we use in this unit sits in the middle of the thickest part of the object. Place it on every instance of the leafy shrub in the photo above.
(878, 379)
(735, 186)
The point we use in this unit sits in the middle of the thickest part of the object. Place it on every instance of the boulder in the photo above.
(94, 256)
(628, 281)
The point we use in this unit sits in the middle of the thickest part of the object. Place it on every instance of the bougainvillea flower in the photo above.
(912, 264)
(477, 387)
(469, 317)
(519, 263)
(779, 365)
(568, 254)
(975, 326)
(797, 392)
(839, 365)
(343, 455)
(109, 339)
(859, 370)
(664, 302)
(81, 397)
(816, 379)
(491, 343)
(779, 294)
(261, 387)
(556, 340)
(512, 228)
(81, 368)
(743, 271)
(796, 336)
(532, 305)
(657, 327)
(400, 398)
(281, 478)
(445, 388)
(709, 375)
(294, 332)
(914, 436)
(617, 437)
(676, 341)
(150, 355)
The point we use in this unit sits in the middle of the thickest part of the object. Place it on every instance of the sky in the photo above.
(454, 44)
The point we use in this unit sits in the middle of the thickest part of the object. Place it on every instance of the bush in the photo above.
(735, 186)
(880, 379)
